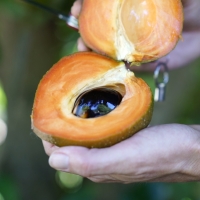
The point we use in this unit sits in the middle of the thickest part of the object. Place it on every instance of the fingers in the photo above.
(107, 164)
(76, 8)
(75, 11)
(81, 46)
(78, 160)
(128, 161)
(88, 162)
(149, 155)
(49, 148)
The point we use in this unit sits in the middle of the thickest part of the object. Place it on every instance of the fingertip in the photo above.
(76, 8)
(59, 161)
(81, 46)
(46, 144)
(48, 147)
(83, 161)
(72, 159)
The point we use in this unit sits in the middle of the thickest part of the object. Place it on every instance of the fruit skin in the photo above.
(52, 118)
(137, 31)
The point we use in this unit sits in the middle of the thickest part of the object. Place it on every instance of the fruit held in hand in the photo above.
(132, 30)
(90, 100)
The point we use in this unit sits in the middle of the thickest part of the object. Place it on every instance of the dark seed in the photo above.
(96, 103)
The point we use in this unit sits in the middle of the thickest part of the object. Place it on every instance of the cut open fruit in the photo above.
(53, 117)
(133, 30)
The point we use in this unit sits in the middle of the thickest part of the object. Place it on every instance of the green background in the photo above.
(31, 41)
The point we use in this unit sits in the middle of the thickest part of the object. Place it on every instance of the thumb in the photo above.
(87, 162)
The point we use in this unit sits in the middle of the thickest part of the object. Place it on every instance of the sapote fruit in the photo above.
(133, 30)
(90, 100)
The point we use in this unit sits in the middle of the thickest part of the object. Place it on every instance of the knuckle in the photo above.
(86, 168)
(82, 161)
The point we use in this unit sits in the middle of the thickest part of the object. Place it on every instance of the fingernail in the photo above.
(59, 161)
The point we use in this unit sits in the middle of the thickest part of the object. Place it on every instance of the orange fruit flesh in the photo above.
(132, 30)
(52, 117)
(153, 26)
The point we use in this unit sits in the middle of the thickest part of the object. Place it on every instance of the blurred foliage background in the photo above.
(31, 41)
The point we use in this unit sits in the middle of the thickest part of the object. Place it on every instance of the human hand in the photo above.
(187, 48)
(3, 131)
(161, 153)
